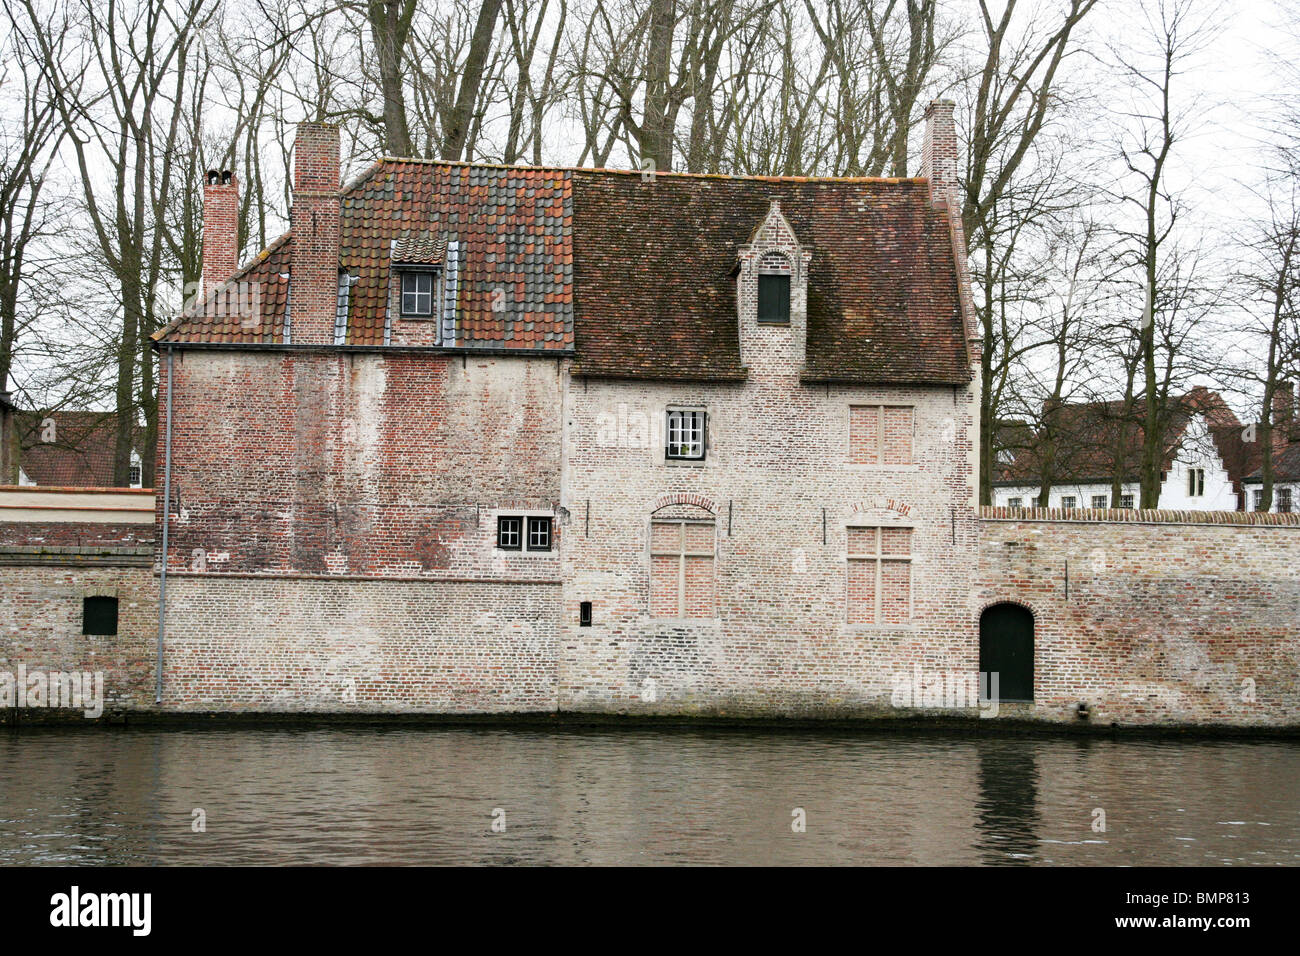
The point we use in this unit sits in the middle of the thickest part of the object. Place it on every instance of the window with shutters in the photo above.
(681, 568)
(880, 434)
(879, 587)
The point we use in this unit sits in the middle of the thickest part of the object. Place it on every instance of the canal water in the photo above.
(498, 796)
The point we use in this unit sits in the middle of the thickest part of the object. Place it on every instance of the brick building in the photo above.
(490, 439)
(502, 438)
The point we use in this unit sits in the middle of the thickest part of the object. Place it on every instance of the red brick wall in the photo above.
(314, 221)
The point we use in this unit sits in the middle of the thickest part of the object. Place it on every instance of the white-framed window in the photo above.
(1015, 502)
(681, 568)
(417, 293)
(1069, 501)
(1196, 482)
(510, 534)
(539, 534)
(1125, 501)
(1283, 496)
(879, 585)
(1099, 501)
(686, 434)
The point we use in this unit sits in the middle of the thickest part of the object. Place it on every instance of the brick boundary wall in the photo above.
(1152, 617)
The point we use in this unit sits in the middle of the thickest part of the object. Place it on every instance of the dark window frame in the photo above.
(519, 531)
(543, 521)
(417, 274)
(780, 299)
(699, 422)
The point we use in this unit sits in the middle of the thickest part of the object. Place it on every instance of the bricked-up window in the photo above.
(1196, 483)
(1099, 501)
(539, 534)
(99, 615)
(417, 293)
(880, 434)
(686, 435)
(1284, 500)
(681, 568)
(879, 575)
(510, 533)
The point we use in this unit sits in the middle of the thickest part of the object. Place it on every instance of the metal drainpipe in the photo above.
(166, 513)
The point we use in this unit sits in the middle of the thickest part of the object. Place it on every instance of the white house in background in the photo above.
(1200, 473)
(1286, 481)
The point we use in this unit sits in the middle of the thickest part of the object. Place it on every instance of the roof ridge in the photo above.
(419, 161)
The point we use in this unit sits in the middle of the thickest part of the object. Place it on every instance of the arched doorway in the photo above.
(1007, 649)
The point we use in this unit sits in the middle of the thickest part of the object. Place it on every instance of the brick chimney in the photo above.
(939, 154)
(314, 221)
(8, 440)
(1286, 428)
(220, 228)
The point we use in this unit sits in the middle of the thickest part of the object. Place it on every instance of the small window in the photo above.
(773, 299)
(1196, 483)
(1015, 502)
(1069, 502)
(1125, 501)
(539, 534)
(134, 478)
(1284, 500)
(99, 615)
(510, 533)
(584, 614)
(1259, 501)
(417, 293)
(1099, 502)
(686, 435)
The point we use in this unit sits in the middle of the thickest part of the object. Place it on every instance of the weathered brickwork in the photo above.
(41, 627)
(334, 527)
(244, 643)
(1169, 617)
(780, 487)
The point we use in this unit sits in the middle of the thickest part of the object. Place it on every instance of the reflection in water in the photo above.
(1008, 801)
(411, 796)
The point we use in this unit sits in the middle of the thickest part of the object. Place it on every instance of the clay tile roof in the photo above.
(423, 248)
(76, 452)
(636, 276)
(656, 294)
(248, 309)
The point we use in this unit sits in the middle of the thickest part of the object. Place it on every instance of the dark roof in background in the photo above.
(1286, 465)
(1089, 447)
(637, 275)
(80, 455)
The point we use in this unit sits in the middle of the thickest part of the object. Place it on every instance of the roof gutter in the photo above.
(365, 349)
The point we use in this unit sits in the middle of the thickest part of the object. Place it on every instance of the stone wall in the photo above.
(1168, 617)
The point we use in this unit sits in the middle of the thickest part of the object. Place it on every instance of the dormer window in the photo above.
(417, 294)
(774, 289)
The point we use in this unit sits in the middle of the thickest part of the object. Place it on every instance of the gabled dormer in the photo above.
(423, 282)
(772, 296)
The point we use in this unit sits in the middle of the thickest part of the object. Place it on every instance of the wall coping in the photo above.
(1244, 519)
